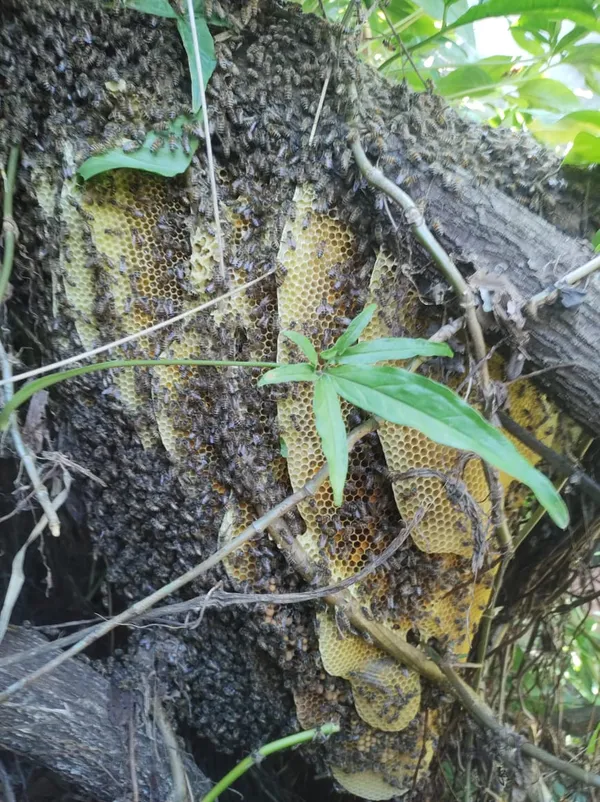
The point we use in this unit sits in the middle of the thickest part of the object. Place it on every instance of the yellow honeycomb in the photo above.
(241, 566)
(386, 694)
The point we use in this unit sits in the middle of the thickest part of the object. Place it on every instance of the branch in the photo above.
(550, 294)
(137, 609)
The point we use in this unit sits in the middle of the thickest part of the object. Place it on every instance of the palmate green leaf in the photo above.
(578, 11)
(331, 429)
(24, 393)
(585, 150)
(412, 400)
(207, 54)
(164, 161)
(386, 349)
(352, 333)
(304, 344)
(300, 372)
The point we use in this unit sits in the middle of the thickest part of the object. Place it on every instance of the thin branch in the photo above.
(320, 106)
(17, 576)
(562, 464)
(178, 775)
(403, 46)
(573, 277)
(27, 458)
(482, 713)
(143, 333)
(9, 228)
(417, 224)
(209, 153)
(255, 528)
(9, 794)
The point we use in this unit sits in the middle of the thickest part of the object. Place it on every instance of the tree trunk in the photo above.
(85, 729)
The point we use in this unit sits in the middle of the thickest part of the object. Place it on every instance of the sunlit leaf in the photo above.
(578, 11)
(331, 429)
(467, 80)
(159, 160)
(207, 54)
(391, 348)
(546, 93)
(352, 333)
(301, 372)
(304, 344)
(527, 41)
(585, 150)
(560, 131)
(409, 399)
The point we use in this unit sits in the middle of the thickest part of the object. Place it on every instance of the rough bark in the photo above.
(501, 238)
(76, 723)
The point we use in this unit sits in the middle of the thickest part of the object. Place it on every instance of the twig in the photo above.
(550, 293)
(179, 792)
(25, 455)
(7, 790)
(17, 577)
(143, 333)
(416, 221)
(255, 528)
(482, 713)
(209, 153)
(9, 228)
(135, 790)
(561, 463)
(403, 46)
(320, 106)
(275, 746)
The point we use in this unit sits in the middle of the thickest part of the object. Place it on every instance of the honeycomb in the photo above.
(386, 694)
(241, 566)
(128, 262)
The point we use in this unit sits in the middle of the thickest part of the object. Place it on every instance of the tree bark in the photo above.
(74, 722)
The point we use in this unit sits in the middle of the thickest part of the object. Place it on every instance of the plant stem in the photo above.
(9, 228)
(142, 333)
(47, 381)
(266, 750)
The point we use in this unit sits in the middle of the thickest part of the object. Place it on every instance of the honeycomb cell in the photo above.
(241, 565)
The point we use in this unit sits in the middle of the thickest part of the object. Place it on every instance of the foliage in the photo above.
(434, 40)
(169, 152)
(349, 370)
(404, 398)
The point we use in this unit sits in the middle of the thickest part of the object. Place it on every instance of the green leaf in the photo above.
(546, 93)
(527, 41)
(160, 8)
(352, 333)
(576, 10)
(585, 54)
(412, 400)
(164, 161)
(596, 241)
(467, 80)
(331, 429)
(585, 150)
(560, 131)
(304, 344)
(206, 46)
(301, 372)
(391, 348)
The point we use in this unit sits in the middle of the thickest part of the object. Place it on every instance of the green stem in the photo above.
(8, 224)
(47, 381)
(275, 746)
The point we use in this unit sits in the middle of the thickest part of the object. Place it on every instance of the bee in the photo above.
(157, 144)
(173, 144)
